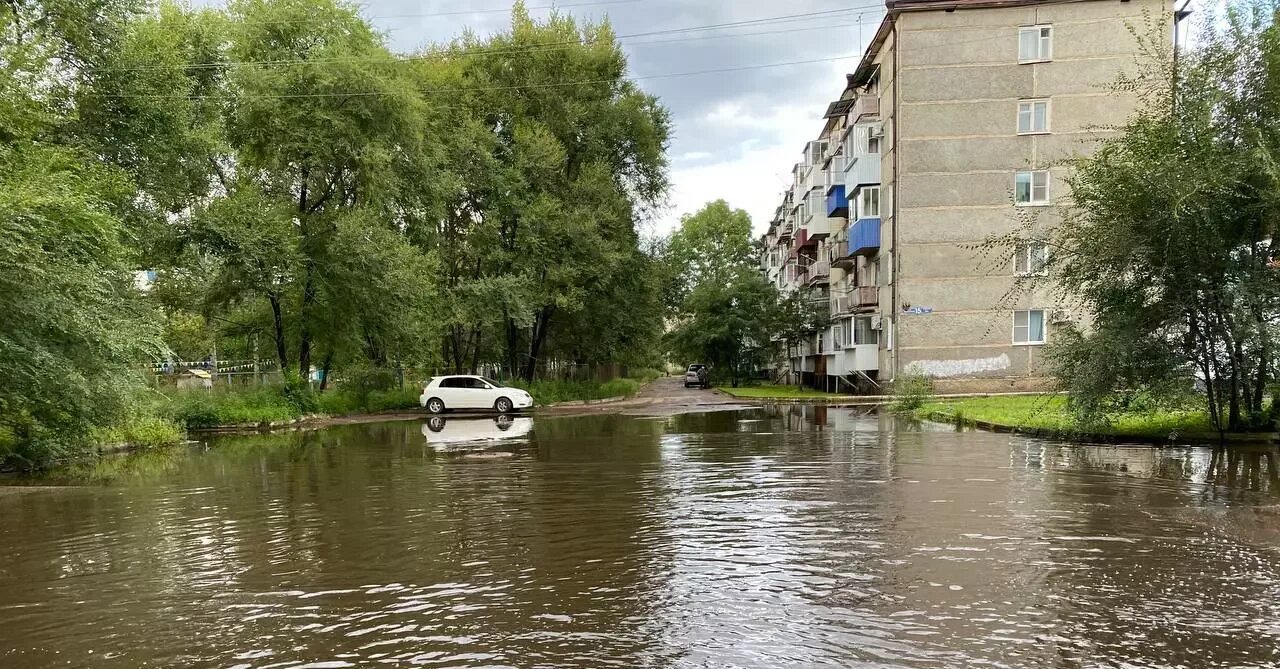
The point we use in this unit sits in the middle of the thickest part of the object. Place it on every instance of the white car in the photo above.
(447, 393)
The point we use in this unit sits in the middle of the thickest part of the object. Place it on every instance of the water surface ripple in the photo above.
(789, 537)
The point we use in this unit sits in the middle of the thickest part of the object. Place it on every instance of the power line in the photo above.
(459, 12)
(486, 89)
(788, 18)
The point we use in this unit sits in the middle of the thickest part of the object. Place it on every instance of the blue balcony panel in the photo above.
(837, 203)
(864, 237)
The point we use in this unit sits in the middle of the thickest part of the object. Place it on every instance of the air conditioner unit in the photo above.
(877, 131)
(876, 322)
(1060, 316)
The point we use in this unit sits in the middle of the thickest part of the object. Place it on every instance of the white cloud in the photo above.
(691, 156)
(756, 168)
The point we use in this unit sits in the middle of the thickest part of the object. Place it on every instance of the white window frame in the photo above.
(862, 202)
(1030, 110)
(1026, 327)
(1043, 36)
(874, 132)
(1032, 176)
(1023, 255)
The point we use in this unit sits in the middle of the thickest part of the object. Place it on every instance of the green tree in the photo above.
(711, 245)
(728, 326)
(71, 324)
(543, 221)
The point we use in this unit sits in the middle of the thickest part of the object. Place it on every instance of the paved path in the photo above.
(665, 396)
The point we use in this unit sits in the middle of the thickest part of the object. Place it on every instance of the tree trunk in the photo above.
(475, 350)
(1203, 357)
(536, 340)
(456, 352)
(277, 317)
(513, 348)
(325, 368)
(1264, 368)
(304, 330)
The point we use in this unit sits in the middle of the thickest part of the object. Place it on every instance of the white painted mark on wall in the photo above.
(945, 368)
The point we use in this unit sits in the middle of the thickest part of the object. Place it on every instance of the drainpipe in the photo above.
(894, 254)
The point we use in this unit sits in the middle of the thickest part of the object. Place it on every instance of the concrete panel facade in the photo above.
(958, 149)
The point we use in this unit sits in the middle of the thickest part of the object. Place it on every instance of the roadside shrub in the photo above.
(646, 374)
(297, 391)
(196, 409)
(143, 432)
(911, 391)
(193, 409)
(385, 400)
(337, 402)
(619, 388)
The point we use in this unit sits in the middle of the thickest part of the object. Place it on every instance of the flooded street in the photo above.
(771, 537)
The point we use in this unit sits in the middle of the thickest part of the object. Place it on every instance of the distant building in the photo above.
(949, 132)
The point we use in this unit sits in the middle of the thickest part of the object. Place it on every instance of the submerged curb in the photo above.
(1105, 438)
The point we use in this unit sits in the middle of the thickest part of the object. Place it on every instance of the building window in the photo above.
(846, 332)
(874, 135)
(1031, 187)
(863, 334)
(1030, 258)
(869, 202)
(1028, 326)
(1035, 44)
(1033, 116)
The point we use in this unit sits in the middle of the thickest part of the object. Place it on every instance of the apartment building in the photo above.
(951, 131)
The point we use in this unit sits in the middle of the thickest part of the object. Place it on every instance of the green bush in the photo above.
(911, 390)
(619, 388)
(338, 402)
(142, 432)
(646, 374)
(195, 409)
(385, 400)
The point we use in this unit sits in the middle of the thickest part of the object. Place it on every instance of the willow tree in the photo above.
(72, 327)
(1170, 240)
(575, 158)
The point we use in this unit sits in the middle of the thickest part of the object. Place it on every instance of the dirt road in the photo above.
(665, 396)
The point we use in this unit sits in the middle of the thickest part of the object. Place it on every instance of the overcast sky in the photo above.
(736, 134)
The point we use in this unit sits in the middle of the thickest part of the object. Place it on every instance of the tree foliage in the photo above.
(724, 313)
(70, 326)
(298, 185)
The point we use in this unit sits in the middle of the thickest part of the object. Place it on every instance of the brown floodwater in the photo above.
(777, 537)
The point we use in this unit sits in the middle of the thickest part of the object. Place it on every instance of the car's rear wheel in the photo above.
(502, 405)
(435, 405)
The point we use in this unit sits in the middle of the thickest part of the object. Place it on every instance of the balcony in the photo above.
(818, 273)
(866, 105)
(837, 203)
(839, 252)
(862, 297)
(819, 225)
(861, 358)
(864, 237)
(840, 304)
(802, 238)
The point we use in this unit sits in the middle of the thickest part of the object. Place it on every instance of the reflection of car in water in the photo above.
(441, 431)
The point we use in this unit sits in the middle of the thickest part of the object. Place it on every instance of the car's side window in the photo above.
(453, 383)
